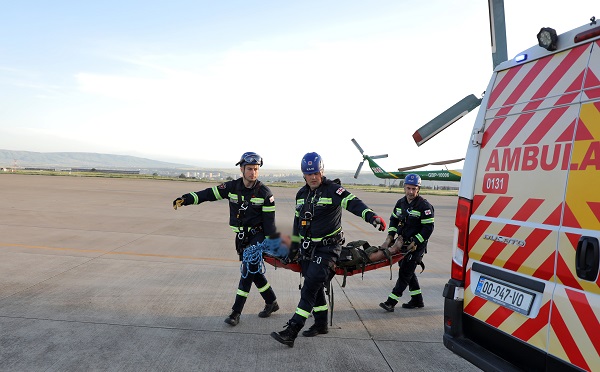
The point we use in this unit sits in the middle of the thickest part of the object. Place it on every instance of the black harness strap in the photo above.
(245, 232)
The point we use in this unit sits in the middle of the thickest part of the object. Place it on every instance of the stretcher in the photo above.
(347, 271)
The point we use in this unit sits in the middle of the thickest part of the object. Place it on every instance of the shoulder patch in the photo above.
(427, 212)
(340, 191)
(272, 199)
(221, 186)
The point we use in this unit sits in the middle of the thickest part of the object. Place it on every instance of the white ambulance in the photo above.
(524, 292)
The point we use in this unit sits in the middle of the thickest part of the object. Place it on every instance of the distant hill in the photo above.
(69, 160)
(9, 158)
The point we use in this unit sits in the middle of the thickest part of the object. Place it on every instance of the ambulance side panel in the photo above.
(531, 291)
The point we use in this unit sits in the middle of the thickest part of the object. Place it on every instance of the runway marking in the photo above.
(117, 253)
(356, 226)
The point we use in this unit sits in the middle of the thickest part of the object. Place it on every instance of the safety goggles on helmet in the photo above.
(250, 158)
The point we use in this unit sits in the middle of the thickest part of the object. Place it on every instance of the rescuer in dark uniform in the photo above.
(317, 238)
(412, 220)
(252, 218)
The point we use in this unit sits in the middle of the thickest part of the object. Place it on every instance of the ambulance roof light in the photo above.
(521, 58)
(547, 38)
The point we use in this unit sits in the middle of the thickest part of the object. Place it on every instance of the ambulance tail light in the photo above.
(461, 239)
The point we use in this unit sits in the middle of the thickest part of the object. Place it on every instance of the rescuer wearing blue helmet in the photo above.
(316, 242)
(252, 218)
(412, 220)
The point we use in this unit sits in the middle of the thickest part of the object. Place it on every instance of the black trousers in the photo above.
(317, 271)
(247, 278)
(406, 274)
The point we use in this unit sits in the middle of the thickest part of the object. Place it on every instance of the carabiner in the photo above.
(305, 244)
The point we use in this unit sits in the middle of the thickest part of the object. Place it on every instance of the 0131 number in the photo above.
(495, 183)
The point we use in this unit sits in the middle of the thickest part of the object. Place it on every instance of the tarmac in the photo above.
(102, 274)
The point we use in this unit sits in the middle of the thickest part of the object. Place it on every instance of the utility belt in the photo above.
(245, 233)
(307, 246)
(243, 236)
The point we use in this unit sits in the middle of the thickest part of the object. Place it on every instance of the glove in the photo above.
(387, 241)
(185, 199)
(378, 222)
(178, 203)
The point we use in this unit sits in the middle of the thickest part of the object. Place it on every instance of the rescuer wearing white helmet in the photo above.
(412, 221)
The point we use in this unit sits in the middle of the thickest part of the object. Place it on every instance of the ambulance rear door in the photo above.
(574, 317)
(518, 204)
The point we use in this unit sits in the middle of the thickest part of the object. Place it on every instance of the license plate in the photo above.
(505, 295)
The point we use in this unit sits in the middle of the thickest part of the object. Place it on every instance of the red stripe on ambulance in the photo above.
(533, 325)
(515, 129)
(502, 84)
(559, 73)
(584, 311)
(546, 269)
(517, 259)
(545, 125)
(566, 339)
(499, 316)
(565, 275)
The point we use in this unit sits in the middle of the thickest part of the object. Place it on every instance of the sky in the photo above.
(200, 82)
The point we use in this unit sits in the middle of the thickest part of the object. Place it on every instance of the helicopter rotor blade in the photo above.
(358, 169)
(357, 146)
(463, 107)
(446, 118)
(497, 31)
(379, 156)
(443, 162)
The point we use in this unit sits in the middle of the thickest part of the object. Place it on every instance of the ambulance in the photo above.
(524, 292)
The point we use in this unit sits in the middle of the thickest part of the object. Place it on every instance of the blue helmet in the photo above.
(412, 179)
(311, 163)
(250, 158)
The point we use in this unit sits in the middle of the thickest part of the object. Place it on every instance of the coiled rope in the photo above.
(253, 256)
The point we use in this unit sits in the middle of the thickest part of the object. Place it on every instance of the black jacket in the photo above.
(319, 212)
(248, 207)
(412, 220)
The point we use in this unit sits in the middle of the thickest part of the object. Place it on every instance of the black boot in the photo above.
(316, 329)
(233, 319)
(387, 306)
(415, 302)
(269, 308)
(288, 335)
